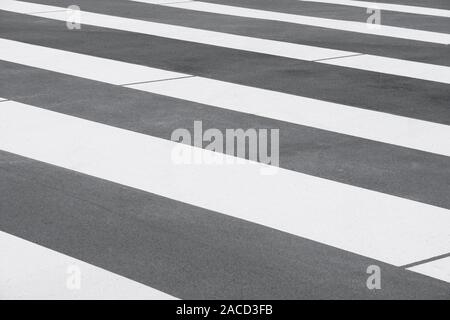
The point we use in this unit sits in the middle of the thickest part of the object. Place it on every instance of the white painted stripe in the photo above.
(351, 26)
(377, 126)
(411, 69)
(439, 269)
(159, 1)
(405, 68)
(384, 6)
(79, 65)
(373, 224)
(220, 39)
(30, 271)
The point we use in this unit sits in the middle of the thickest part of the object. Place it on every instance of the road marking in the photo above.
(220, 39)
(80, 65)
(439, 269)
(404, 68)
(264, 46)
(376, 225)
(31, 271)
(387, 6)
(343, 25)
(367, 124)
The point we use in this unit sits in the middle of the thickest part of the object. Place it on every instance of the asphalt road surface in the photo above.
(94, 205)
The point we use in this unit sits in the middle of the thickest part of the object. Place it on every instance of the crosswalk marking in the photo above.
(372, 224)
(439, 269)
(30, 271)
(351, 26)
(114, 155)
(99, 69)
(405, 68)
(387, 6)
(220, 39)
(373, 125)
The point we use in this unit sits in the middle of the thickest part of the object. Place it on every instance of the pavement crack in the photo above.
(168, 3)
(413, 264)
(340, 57)
(150, 81)
(51, 11)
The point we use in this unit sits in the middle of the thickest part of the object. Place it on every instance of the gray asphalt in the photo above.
(315, 36)
(439, 4)
(377, 166)
(183, 250)
(191, 252)
(325, 10)
(403, 96)
(178, 16)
